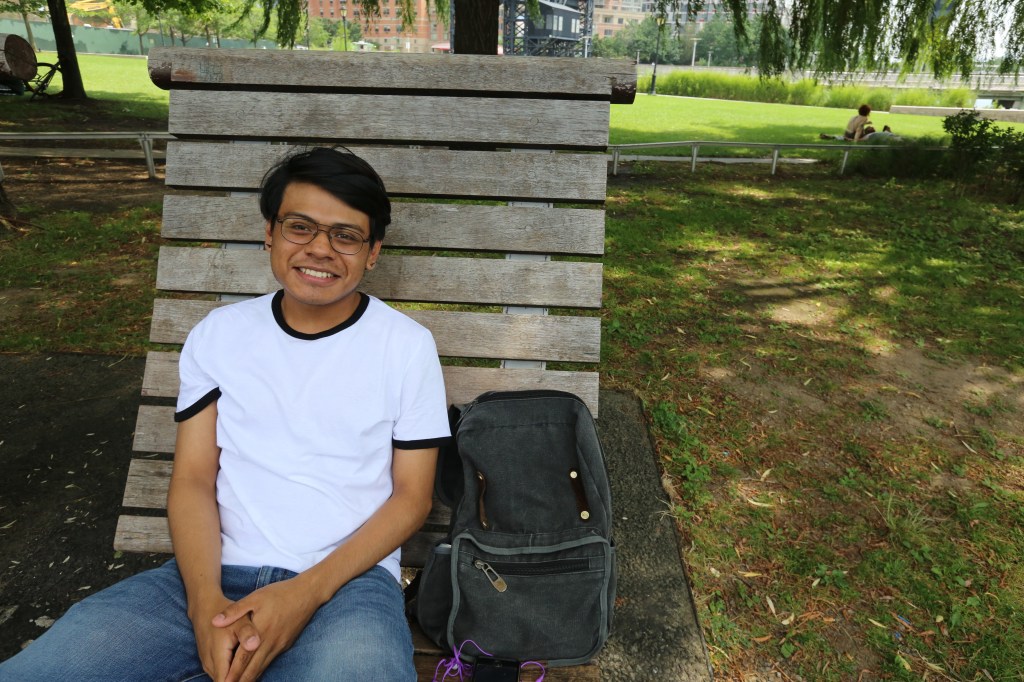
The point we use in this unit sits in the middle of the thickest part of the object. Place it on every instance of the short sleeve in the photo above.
(197, 388)
(423, 411)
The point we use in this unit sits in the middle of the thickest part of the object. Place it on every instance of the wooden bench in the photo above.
(516, 136)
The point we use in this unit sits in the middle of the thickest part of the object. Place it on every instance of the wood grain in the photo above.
(523, 229)
(507, 176)
(408, 119)
(483, 281)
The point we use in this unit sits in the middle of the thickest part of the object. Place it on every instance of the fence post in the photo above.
(694, 150)
(846, 155)
(147, 150)
(615, 161)
(775, 159)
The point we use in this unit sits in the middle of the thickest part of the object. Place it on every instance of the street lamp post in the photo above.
(657, 49)
(693, 58)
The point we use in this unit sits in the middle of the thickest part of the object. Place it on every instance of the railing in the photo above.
(145, 139)
(776, 148)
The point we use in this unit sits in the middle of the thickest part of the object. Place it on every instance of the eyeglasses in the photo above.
(345, 240)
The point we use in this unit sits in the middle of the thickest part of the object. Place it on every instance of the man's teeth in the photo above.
(315, 273)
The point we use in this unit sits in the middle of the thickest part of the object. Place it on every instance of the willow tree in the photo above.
(829, 36)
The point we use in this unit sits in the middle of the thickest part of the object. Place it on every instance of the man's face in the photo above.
(319, 283)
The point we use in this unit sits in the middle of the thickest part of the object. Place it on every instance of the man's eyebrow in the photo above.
(348, 226)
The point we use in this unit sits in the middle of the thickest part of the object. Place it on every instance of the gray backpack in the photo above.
(527, 571)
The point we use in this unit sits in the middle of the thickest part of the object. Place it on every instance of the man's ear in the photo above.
(270, 235)
(371, 261)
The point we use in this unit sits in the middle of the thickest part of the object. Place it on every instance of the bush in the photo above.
(917, 97)
(907, 159)
(807, 92)
(958, 97)
(984, 156)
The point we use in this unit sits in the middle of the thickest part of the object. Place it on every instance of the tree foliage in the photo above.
(828, 36)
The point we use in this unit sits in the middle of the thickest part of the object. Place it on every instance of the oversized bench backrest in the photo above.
(515, 136)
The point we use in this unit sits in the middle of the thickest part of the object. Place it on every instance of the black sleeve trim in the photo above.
(420, 444)
(197, 407)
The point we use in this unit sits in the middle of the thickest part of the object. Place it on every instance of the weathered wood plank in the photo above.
(483, 281)
(320, 71)
(407, 172)
(462, 384)
(148, 480)
(155, 429)
(418, 119)
(457, 334)
(151, 534)
(146, 487)
(526, 229)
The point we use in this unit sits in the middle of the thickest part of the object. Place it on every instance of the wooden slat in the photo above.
(148, 480)
(267, 70)
(151, 534)
(420, 119)
(526, 229)
(483, 281)
(462, 385)
(146, 487)
(407, 172)
(457, 334)
(155, 428)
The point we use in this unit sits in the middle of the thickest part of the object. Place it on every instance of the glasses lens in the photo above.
(298, 231)
(344, 241)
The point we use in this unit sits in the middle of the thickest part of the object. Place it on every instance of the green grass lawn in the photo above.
(668, 119)
(118, 86)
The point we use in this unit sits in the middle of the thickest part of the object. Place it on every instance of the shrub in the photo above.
(807, 92)
(916, 97)
(958, 97)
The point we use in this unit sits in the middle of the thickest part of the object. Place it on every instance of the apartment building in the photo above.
(611, 16)
(386, 30)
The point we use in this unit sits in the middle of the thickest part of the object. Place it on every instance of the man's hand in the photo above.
(279, 612)
(220, 648)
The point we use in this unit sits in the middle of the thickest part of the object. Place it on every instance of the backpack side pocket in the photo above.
(434, 598)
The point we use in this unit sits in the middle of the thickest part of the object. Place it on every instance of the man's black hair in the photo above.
(336, 171)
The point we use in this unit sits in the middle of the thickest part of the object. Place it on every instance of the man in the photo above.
(308, 427)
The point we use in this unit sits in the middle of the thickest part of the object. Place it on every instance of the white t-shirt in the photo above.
(306, 423)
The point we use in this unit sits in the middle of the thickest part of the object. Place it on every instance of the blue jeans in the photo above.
(138, 629)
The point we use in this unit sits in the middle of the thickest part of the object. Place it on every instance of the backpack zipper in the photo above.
(496, 580)
(554, 567)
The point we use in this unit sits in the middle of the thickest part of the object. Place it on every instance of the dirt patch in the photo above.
(80, 184)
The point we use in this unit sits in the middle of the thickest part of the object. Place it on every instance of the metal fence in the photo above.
(145, 139)
(618, 150)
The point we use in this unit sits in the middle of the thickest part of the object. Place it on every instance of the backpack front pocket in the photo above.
(550, 601)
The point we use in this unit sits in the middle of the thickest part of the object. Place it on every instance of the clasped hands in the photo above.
(238, 640)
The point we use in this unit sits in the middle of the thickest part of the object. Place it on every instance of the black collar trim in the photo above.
(275, 304)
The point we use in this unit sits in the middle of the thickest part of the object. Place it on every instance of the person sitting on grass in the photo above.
(854, 128)
(309, 422)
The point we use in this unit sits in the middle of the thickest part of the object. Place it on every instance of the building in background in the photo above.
(715, 9)
(611, 16)
(564, 28)
(386, 30)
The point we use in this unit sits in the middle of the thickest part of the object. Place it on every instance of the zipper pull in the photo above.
(496, 580)
(481, 510)
(581, 495)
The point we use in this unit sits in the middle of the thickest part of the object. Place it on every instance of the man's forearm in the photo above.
(194, 522)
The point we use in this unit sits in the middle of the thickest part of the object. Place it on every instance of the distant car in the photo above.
(301, 47)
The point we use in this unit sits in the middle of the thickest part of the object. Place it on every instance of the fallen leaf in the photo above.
(762, 640)
(877, 624)
(903, 663)
(759, 504)
(771, 605)
(766, 473)
(789, 620)
(751, 574)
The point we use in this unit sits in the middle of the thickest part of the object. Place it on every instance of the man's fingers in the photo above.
(230, 614)
(248, 636)
(256, 666)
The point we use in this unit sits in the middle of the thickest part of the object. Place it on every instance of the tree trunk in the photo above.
(476, 27)
(71, 75)
(28, 31)
(7, 210)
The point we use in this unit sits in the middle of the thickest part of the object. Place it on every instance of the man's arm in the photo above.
(195, 532)
(281, 610)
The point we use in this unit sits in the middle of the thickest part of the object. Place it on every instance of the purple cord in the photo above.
(454, 666)
(543, 670)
